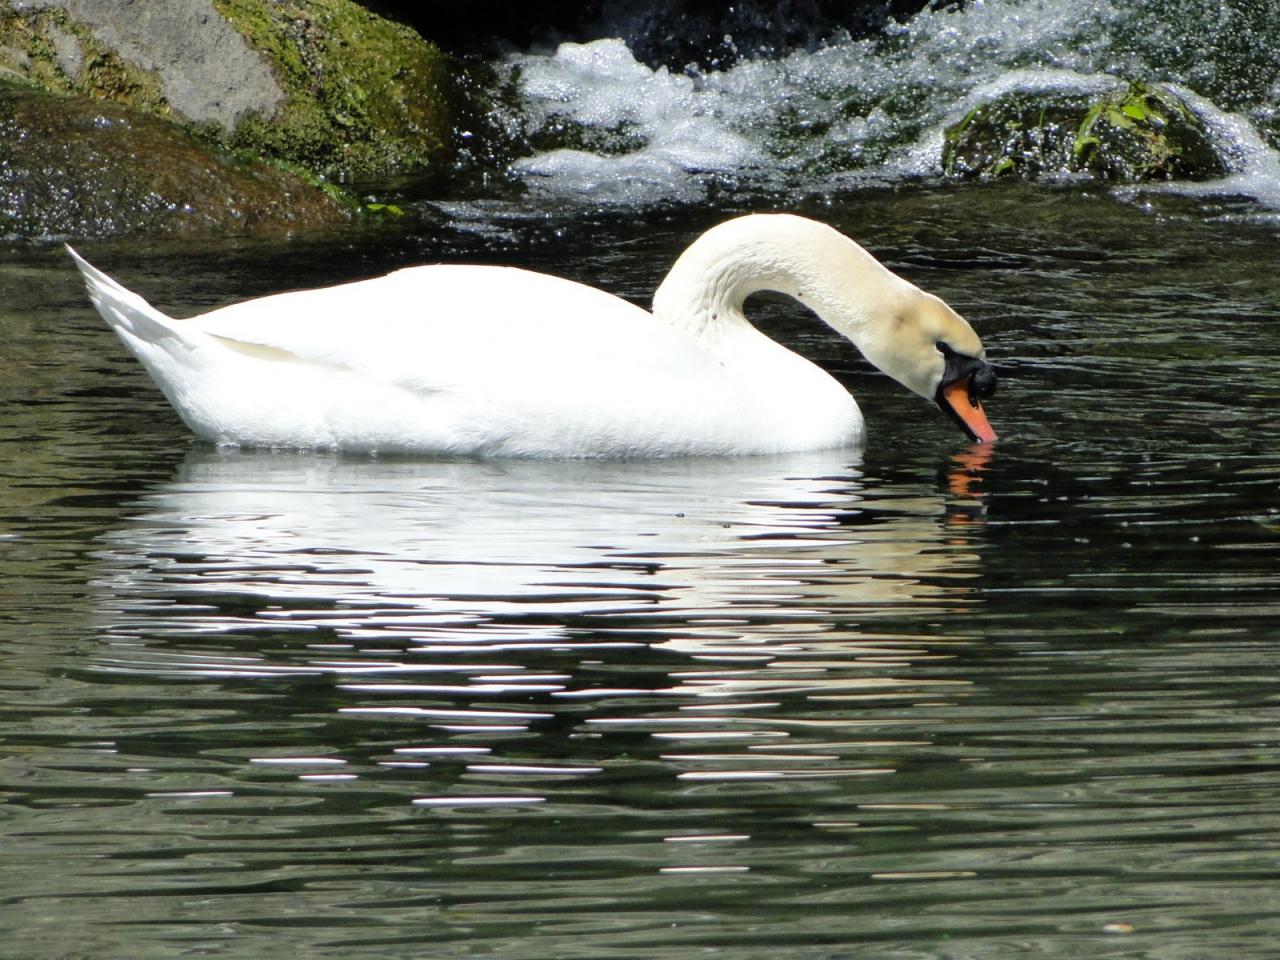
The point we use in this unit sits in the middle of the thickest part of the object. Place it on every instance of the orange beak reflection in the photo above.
(964, 507)
(958, 400)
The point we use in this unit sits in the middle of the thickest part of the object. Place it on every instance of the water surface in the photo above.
(922, 700)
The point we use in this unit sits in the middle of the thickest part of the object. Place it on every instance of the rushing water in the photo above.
(920, 700)
(604, 125)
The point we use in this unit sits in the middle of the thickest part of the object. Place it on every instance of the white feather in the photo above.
(498, 361)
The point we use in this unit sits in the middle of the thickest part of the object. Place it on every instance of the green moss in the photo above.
(364, 95)
(339, 196)
(1136, 133)
(1143, 133)
(29, 40)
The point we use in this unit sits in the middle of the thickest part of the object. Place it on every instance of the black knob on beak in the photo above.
(983, 383)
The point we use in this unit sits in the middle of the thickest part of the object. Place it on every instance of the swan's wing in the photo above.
(437, 327)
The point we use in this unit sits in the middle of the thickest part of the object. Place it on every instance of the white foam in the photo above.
(1254, 167)
(809, 121)
(677, 124)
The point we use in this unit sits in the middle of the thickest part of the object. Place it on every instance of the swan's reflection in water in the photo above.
(697, 601)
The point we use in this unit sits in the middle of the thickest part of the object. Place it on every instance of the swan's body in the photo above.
(498, 361)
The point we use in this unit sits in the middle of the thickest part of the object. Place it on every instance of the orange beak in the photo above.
(958, 400)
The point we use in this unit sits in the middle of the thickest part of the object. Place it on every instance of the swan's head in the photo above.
(909, 334)
(930, 349)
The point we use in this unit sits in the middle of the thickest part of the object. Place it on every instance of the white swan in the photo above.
(501, 362)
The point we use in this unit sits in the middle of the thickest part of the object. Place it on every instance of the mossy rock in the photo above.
(1018, 135)
(51, 49)
(363, 95)
(325, 84)
(73, 167)
(1135, 134)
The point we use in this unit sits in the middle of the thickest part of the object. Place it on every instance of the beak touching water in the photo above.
(965, 383)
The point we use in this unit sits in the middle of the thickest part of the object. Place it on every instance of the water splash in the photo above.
(649, 133)
(614, 131)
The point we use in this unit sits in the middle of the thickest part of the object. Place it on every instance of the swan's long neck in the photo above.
(706, 288)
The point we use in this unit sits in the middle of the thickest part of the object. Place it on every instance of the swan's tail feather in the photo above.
(170, 350)
(131, 317)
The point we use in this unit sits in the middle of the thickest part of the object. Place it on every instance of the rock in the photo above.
(1137, 133)
(1145, 133)
(189, 60)
(321, 83)
(1018, 135)
(73, 167)
(364, 95)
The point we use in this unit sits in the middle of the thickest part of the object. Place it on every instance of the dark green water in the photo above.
(925, 700)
